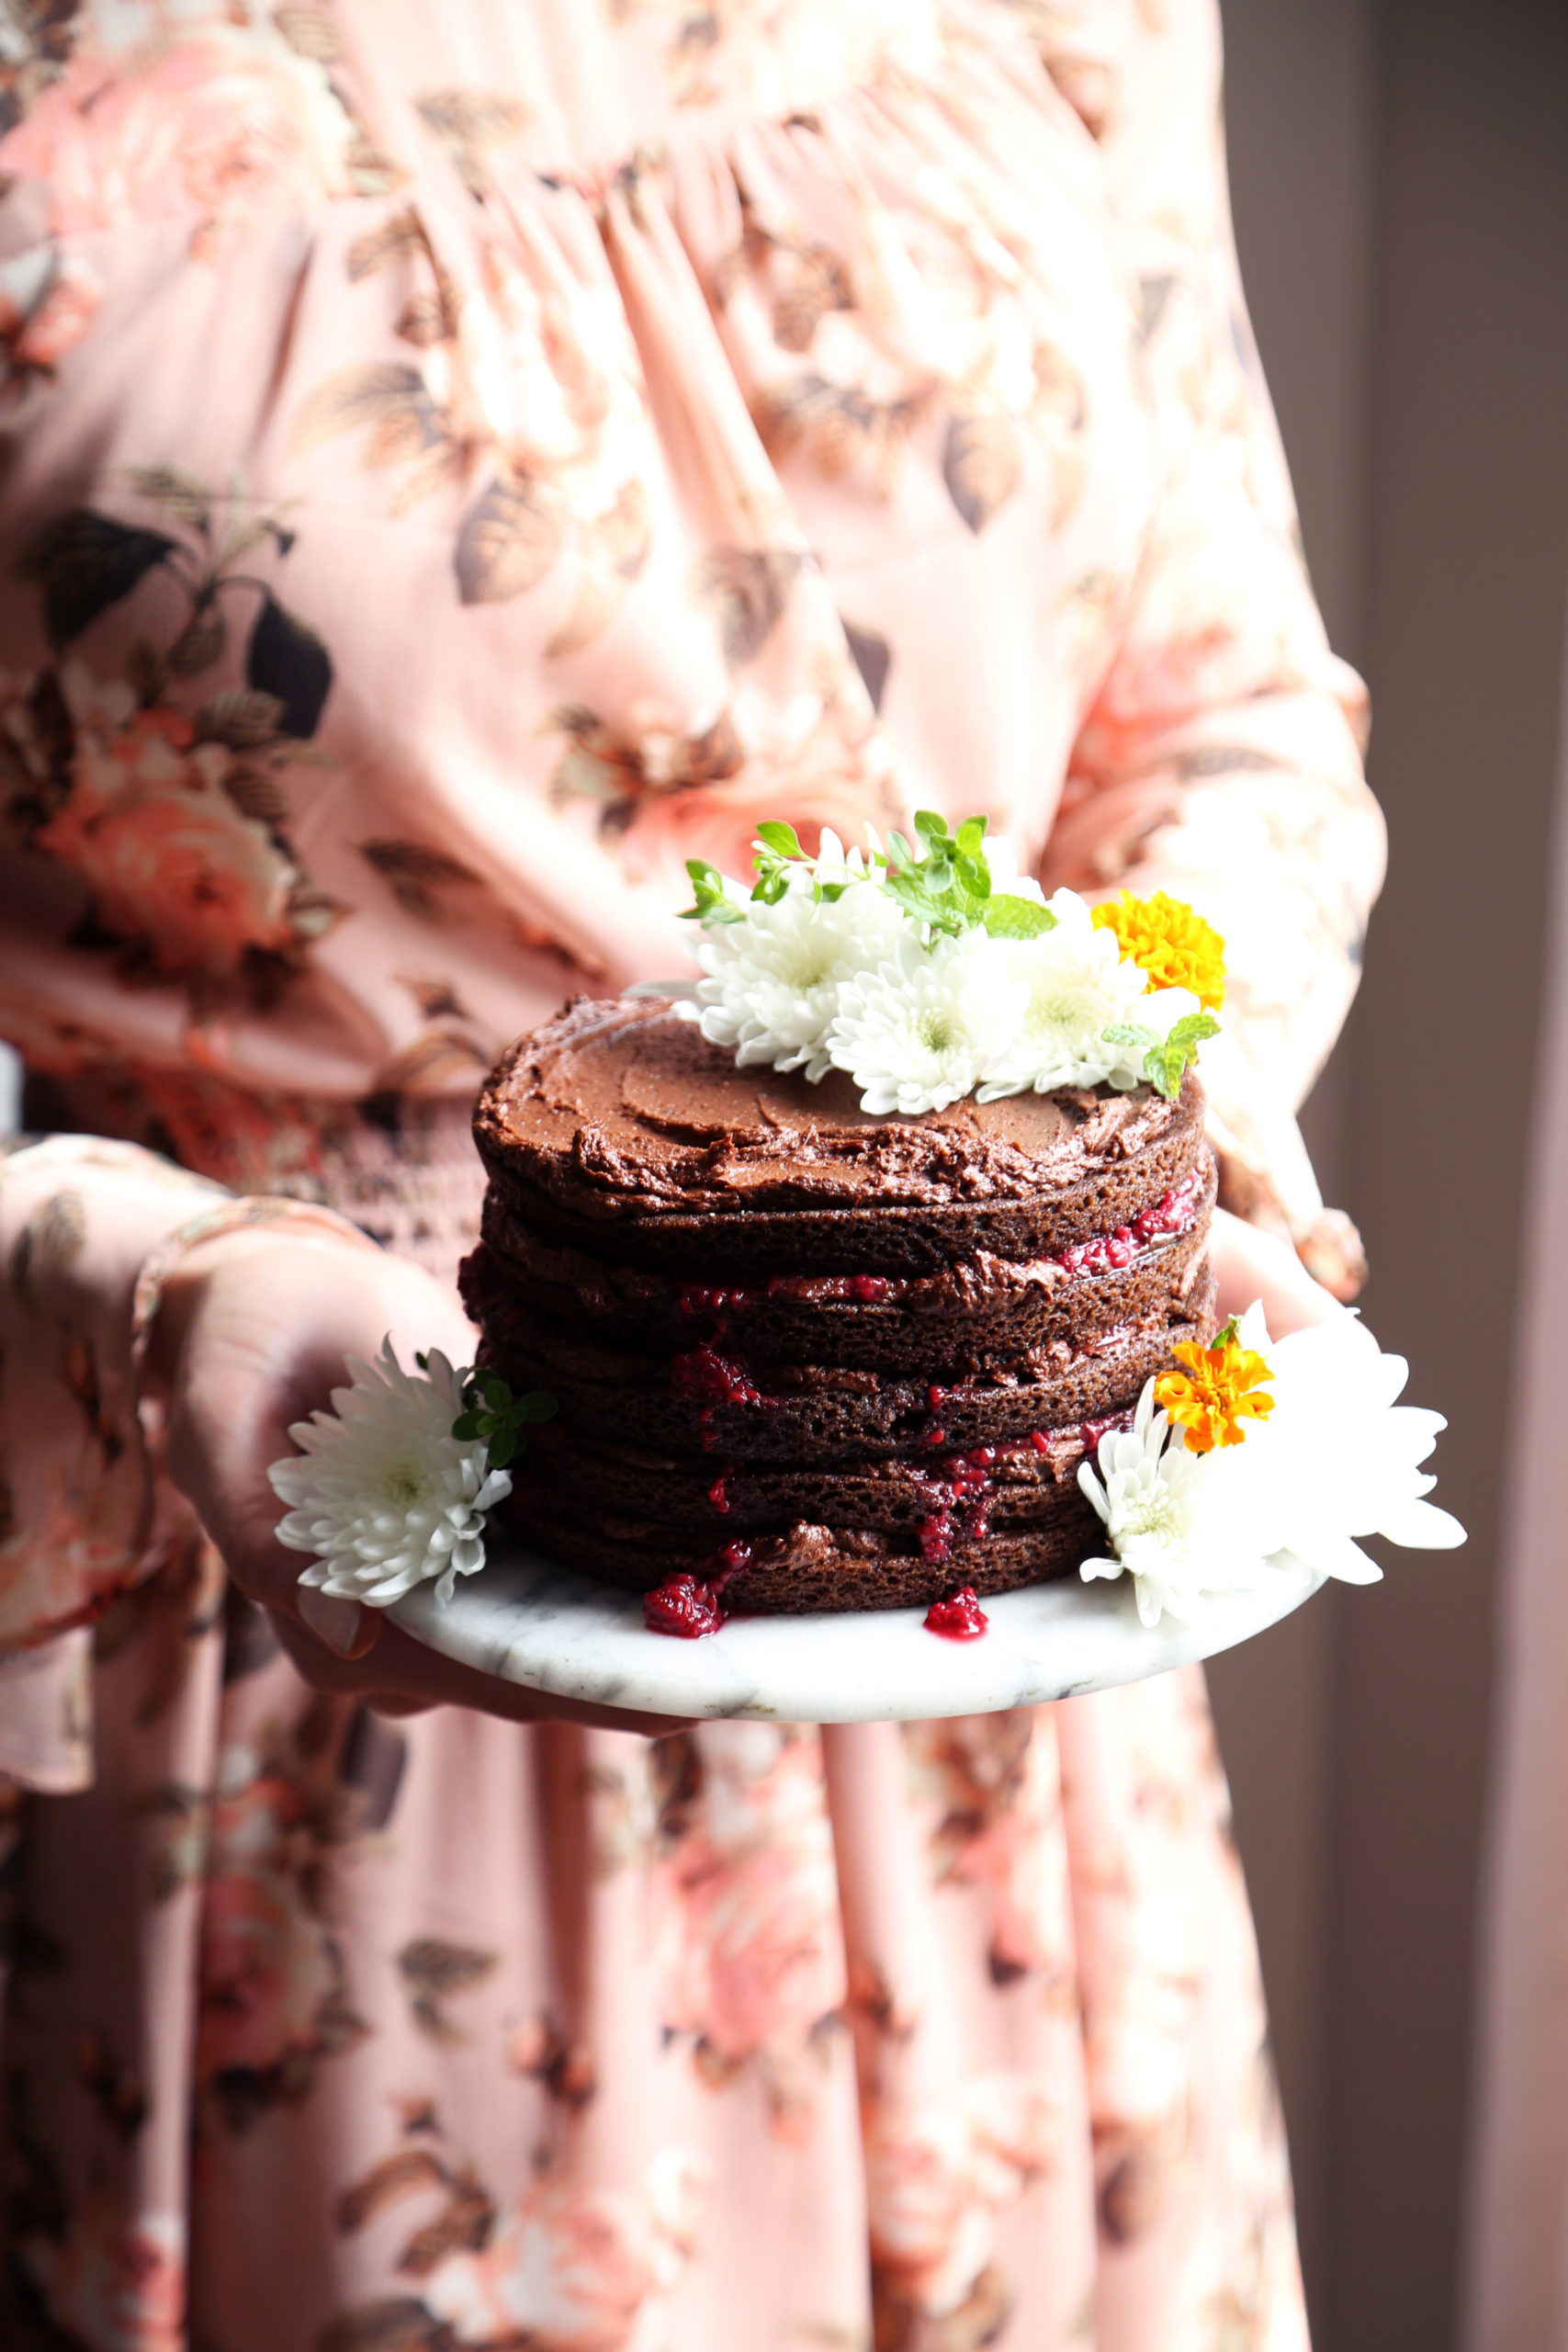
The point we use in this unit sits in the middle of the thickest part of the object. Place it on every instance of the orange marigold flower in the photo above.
(1176, 947)
(1218, 1390)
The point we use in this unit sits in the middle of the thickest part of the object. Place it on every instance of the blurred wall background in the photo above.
(1399, 174)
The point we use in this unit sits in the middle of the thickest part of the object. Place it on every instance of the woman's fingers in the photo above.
(264, 1328)
(258, 1331)
(403, 1676)
(348, 1627)
(1249, 1264)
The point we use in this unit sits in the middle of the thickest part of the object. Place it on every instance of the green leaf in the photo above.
(948, 887)
(1009, 917)
(501, 1418)
(928, 897)
(1193, 1028)
(1129, 1032)
(781, 839)
(713, 902)
(1166, 1061)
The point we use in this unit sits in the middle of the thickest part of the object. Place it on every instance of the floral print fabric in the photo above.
(460, 463)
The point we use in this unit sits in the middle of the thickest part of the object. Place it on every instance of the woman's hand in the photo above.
(250, 1335)
(1250, 1264)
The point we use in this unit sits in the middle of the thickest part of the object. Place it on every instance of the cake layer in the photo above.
(1007, 1489)
(616, 1129)
(813, 1568)
(975, 1311)
(706, 1402)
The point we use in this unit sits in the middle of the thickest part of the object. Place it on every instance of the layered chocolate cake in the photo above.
(809, 1358)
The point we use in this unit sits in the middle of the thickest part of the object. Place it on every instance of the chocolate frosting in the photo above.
(622, 1106)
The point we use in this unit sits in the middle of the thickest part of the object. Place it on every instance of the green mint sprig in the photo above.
(492, 1412)
(944, 883)
(1166, 1059)
(714, 903)
(949, 886)
(780, 855)
(779, 858)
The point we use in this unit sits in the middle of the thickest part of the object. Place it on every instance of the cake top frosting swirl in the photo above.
(623, 1098)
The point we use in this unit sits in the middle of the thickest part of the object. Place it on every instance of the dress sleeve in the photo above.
(88, 1229)
(1220, 756)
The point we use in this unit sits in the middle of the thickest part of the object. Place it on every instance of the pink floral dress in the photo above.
(460, 461)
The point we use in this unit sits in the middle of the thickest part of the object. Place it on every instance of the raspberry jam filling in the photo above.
(1150, 1229)
(958, 1618)
(1162, 1221)
(1092, 1432)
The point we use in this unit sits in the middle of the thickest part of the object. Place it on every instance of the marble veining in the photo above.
(527, 1621)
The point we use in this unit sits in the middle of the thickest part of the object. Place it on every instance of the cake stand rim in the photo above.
(525, 1621)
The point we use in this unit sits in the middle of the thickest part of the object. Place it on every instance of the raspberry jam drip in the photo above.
(934, 1536)
(705, 1378)
(933, 1433)
(687, 1606)
(958, 1618)
(958, 1488)
(682, 1607)
(969, 1473)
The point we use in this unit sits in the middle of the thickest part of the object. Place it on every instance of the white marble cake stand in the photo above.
(525, 1619)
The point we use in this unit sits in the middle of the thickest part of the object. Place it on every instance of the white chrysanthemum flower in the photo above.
(1171, 1525)
(1335, 1459)
(381, 1491)
(917, 1033)
(1342, 1457)
(1077, 987)
(773, 982)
